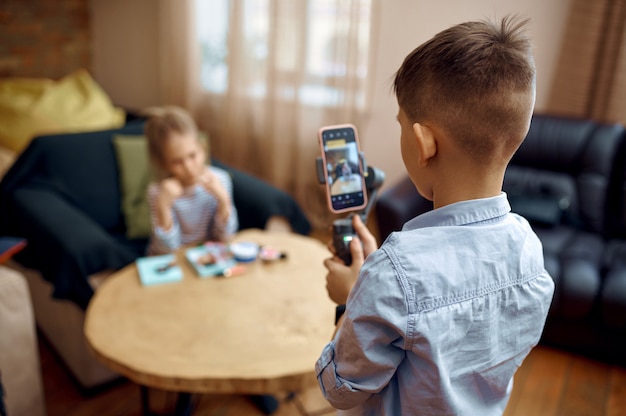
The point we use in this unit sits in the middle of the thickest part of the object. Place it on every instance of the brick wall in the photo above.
(44, 38)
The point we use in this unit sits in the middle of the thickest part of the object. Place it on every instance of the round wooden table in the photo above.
(259, 332)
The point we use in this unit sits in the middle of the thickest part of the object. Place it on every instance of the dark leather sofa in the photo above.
(568, 180)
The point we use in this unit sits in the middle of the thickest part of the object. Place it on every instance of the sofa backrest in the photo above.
(82, 167)
(563, 172)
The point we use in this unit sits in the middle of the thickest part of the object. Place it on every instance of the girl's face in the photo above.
(184, 158)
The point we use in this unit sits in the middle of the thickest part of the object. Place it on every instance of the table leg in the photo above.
(183, 405)
(265, 403)
(145, 401)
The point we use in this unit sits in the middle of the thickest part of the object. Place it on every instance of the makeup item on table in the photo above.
(158, 269)
(269, 253)
(165, 267)
(210, 258)
(232, 271)
(244, 251)
(206, 259)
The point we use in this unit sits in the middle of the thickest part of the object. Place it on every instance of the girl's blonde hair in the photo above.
(161, 123)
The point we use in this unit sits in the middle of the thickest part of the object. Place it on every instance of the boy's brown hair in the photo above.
(161, 123)
(475, 81)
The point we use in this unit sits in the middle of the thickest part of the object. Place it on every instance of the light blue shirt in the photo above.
(441, 316)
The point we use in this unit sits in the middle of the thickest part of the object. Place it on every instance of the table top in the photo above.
(258, 332)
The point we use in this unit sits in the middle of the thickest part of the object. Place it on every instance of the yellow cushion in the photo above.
(33, 107)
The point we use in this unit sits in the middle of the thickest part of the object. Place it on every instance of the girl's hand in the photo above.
(169, 190)
(214, 186)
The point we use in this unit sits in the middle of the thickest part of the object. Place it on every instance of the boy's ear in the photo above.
(426, 143)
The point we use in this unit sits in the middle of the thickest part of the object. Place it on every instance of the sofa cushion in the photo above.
(537, 208)
(33, 107)
(544, 198)
(135, 175)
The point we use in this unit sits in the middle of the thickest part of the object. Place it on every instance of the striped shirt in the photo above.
(193, 215)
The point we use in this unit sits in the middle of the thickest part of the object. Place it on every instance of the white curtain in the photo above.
(279, 88)
(590, 79)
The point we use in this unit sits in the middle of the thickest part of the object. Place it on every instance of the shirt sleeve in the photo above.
(369, 346)
(162, 241)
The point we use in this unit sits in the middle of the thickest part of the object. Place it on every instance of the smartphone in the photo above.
(343, 170)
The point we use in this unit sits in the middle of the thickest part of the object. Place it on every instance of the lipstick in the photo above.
(232, 271)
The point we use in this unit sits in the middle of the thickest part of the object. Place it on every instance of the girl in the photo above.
(190, 202)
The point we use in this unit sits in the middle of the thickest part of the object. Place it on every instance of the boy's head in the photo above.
(173, 144)
(474, 83)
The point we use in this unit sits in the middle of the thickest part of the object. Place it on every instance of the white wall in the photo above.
(405, 24)
(126, 55)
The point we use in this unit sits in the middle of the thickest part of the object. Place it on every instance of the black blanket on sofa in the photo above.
(63, 195)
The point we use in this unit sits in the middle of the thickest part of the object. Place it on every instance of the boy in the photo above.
(443, 314)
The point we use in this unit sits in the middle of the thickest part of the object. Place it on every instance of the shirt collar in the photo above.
(463, 213)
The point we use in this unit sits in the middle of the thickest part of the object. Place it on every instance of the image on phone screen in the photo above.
(344, 174)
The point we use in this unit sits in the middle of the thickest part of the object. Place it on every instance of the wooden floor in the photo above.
(554, 382)
(550, 382)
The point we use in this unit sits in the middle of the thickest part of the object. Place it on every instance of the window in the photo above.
(309, 49)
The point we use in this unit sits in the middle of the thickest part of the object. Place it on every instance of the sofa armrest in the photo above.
(397, 205)
(64, 244)
(19, 358)
(258, 201)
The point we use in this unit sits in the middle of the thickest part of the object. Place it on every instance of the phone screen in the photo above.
(345, 184)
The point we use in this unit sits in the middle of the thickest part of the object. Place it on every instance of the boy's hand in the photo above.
(368, 241)
(367, 238)
(341, 278)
